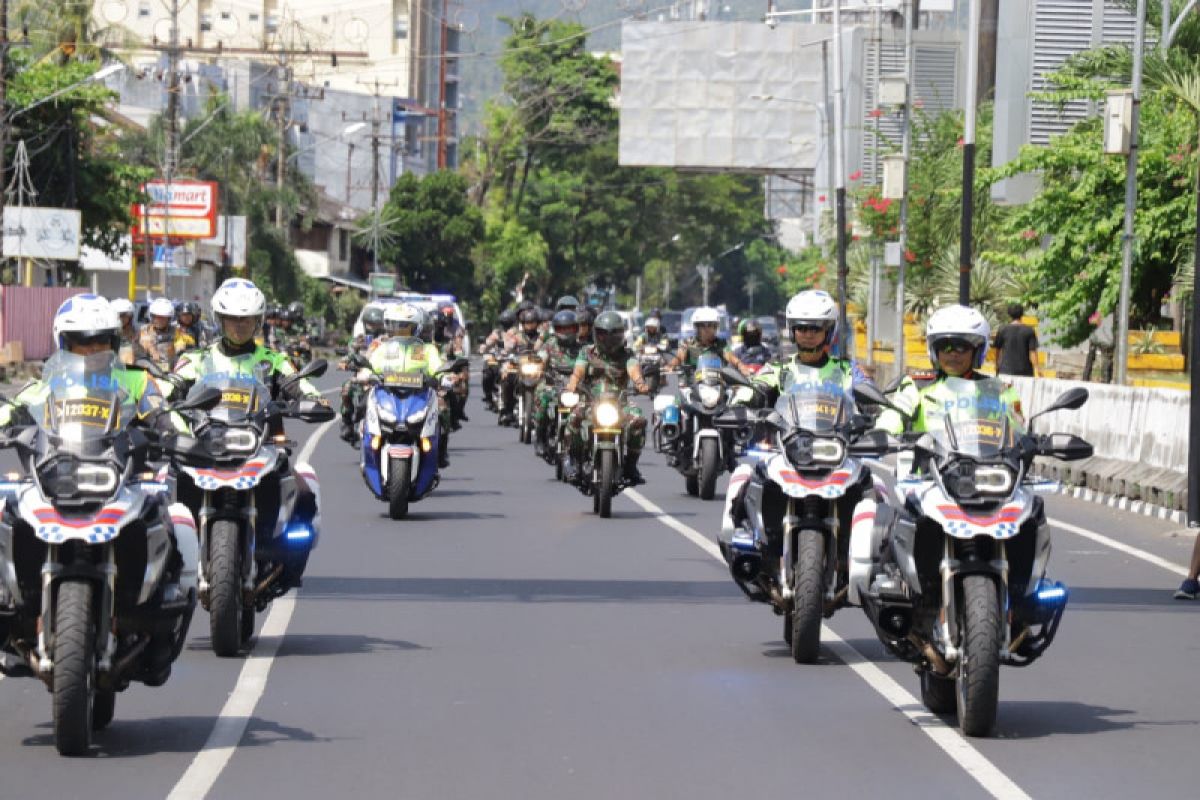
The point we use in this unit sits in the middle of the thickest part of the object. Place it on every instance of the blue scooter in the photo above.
(400, 432)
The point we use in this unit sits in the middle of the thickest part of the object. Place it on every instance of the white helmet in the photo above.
(84, 316)
(654, 322)
(706, 315)
(238, 297)
(121, 306)
(161, 307)
(813, 307)
(402, 314)
(958, 322)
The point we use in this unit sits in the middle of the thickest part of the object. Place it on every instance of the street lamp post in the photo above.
(968, 171)
(906, 153)
(1122, 333)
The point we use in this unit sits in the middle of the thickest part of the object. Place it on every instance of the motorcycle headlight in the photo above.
(607, 414)
(96, 478)
(239, 440)
(387, 415)
(418, 417)
(828, 451)
(531, 370)
(650, 350)
(993, 480)
(709, 395)
(569, 399)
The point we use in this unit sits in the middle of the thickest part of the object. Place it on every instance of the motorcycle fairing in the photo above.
(247, 476)
(102, 527)
(1001, 523)
(402, 406)
(793, 484)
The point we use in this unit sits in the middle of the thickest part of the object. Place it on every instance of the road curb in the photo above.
(1122, 503)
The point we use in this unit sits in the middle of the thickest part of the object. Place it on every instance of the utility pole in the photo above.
(3, 99)
(442, 69)
(1122, 326)
(171, 153)
(906, 152)
(968, 173)
(751, 286)
(282, 114)
(376, 120)
(839, 159)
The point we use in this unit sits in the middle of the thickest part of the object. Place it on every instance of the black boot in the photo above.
(444, 451)
(632, 476)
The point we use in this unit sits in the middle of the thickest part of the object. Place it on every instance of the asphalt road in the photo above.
(504, 642)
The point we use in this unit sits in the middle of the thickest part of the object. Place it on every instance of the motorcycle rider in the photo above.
(812, 323)
(526, 337)
(706, 320)
(495, 340)
(86, 325)
(567, 302)
(585, 317)
(239, 306)
(652, 335)
(404, 323)
(752, 352)
(191, 332)
(129, 334)
(352, 390)
(157, 339)
(608, 365)
(558, 354)
(450, 336)
(957, 338)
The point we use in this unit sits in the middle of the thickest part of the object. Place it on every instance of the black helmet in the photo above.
(524, 305)
(297, 309)
(272, 312)
(507, 318)
(373, 318)
(751, 333)
(609, 331)
(585, 316)
(528, 315)
(566, 326)
(190, 307)
(566, 301)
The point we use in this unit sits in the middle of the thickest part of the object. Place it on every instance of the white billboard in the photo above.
(42, 233)
(736, 96)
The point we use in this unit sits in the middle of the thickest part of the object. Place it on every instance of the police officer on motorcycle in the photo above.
(706, 321)
(608, 365)
(652, 335)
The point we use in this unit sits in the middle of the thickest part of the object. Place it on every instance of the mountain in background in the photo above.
(484, 34)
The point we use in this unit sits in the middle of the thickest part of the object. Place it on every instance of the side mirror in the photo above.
(733, 376)
(867, 393)
(1070, 399)
(1065, 446)
(206, 399)
(871, 444)
(149, 366)
(314, 369)
(894, 384)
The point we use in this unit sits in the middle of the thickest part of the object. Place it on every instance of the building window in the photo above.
(143, 9)
(253, 16)
(343, 244)
(206, 21)
(272, 22)
(402, 27)
(225, 15)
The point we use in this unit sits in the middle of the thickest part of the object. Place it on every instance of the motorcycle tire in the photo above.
(787, 629)
(526, 419)
(558, 466)
(692, 484)
(74, 668)
(225, 589)
(978, 684)
(710, 468)
(399, 484)
(938, 694)
(655, 382)
(807, 601)
(608, 483)
(104, 706)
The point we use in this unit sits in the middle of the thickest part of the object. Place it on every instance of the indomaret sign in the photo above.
(182, 210)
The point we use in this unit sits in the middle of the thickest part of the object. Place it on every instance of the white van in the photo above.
(426, 302)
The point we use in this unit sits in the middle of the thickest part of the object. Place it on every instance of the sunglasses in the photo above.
(803, 328)
(708, 325)
(954, 346)
(98, 338)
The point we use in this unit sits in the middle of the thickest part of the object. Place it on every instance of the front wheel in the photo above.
(710, 468)
(526, 418)
(225, 588)
(399, 483)
(608, 482)
(978, 684)
(807, 604)
(74, 668)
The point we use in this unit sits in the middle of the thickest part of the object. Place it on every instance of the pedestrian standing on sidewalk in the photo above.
(1016, 346)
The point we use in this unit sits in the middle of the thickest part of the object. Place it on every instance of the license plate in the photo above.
(84, 412)
(406, 380)
(235, 398)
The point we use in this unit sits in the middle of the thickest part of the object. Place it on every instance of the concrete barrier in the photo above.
(1140, 436)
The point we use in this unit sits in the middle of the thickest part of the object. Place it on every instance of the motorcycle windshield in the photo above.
(242, 383)
(972, 418)
(811, 402)
(391, 361)
(85, 405)
(708, 367)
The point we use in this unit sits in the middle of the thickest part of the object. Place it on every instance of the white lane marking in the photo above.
(1100, 538)
(974, 763)
(208, 764)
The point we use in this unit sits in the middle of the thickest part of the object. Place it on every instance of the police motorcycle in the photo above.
(601, 468)
(686, 429)
(257, 528)
(97, 567)
(790, 547)
(401, 431)
(953, 572)
(530, 367)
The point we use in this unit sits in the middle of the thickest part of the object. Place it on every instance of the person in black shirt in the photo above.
(1016, 346)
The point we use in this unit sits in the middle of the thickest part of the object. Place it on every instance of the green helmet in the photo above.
(566, 302)
(609, 331)
(373, 318)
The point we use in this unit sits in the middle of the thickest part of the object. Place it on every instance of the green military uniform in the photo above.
(661, 342)
(605, 373)
(560, 362)
(693, 349)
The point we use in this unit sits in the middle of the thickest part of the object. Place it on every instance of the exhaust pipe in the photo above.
(745, 567)
(895, 621)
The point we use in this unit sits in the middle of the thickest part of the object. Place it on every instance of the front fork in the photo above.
(950, 568)
(246, 516)
(826, 523)
(106, 642)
